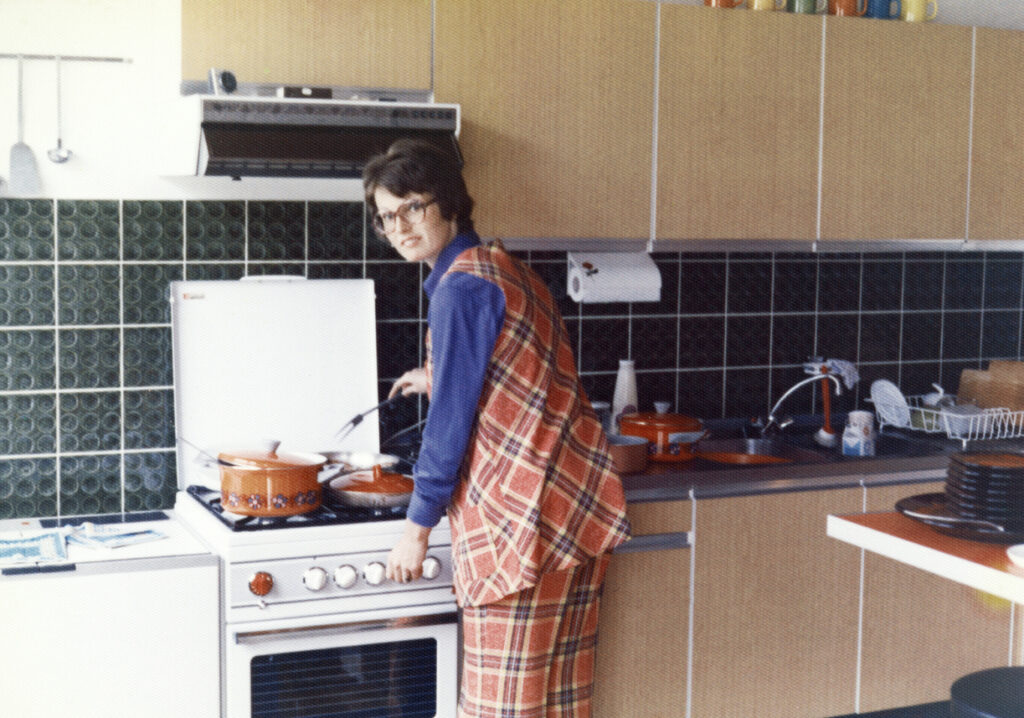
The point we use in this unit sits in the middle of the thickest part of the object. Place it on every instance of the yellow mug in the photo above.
(766, 4)
(918, 10)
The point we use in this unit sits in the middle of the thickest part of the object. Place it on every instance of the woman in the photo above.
(512, 450)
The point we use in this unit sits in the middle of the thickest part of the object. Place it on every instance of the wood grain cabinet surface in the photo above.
(344, 43)
(775, 607)
(738, 124)
(768, 125)
(643, 639)
(557, 103)
(896, 137)
(997, 154)
(921, 631)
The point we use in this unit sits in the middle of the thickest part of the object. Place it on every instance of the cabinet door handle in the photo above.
(655, 542)
(39, 568)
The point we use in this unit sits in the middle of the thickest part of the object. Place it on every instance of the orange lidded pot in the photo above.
(671, 436)
(263, 482)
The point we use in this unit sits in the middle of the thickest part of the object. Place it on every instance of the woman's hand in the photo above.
(405, 562)
(413, 381)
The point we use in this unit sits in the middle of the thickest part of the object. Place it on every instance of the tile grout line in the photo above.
(58, 438)
(121, 349)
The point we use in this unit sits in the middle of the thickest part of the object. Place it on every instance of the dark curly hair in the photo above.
(412, 165)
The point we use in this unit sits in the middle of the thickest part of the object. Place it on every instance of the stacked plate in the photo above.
(985, 486)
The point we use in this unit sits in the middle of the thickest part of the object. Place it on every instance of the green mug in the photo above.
(808, 7)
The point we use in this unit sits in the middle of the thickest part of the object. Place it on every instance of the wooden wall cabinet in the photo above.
(643, 637)
(921, 631)
(769, 125)
(897, 100)
(997, 155)
(775, 607)
(345, 43)
(738, 124)
(557, 102)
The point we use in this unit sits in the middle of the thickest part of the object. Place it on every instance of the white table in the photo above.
(981, 565)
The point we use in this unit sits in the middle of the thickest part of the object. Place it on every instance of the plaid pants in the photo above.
(531, 655)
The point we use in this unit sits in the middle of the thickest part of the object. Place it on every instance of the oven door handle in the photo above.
(256, 637)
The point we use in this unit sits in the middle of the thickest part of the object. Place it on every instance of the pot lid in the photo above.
(375, 481)
(268, 457)
(664, 422)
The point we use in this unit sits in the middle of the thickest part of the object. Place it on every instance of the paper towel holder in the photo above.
(602, 277)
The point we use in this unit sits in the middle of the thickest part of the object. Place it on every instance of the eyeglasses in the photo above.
(411, 212)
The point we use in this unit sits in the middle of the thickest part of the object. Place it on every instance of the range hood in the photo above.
(310, 138)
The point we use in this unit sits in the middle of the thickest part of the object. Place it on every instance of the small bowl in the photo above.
(629, 453)
(1016, 554)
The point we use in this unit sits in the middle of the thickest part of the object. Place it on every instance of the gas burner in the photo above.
(324, 515)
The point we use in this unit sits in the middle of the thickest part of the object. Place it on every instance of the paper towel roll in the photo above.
(613, 277)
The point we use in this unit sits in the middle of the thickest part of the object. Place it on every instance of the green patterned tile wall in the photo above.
(86, 383)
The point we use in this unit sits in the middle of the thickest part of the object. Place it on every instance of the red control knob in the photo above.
(261, 583)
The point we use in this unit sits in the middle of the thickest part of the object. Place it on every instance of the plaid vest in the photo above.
(536, 490)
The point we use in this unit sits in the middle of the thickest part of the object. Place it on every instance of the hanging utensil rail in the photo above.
(63, 58)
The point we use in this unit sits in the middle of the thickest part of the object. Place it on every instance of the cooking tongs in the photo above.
(356, 420)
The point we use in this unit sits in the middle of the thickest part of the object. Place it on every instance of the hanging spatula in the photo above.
(24, 172)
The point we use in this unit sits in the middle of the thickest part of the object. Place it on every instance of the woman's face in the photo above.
(416, 241)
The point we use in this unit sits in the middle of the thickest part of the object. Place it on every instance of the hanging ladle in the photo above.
(59, 154)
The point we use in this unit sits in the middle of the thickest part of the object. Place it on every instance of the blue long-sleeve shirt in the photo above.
(465, 316)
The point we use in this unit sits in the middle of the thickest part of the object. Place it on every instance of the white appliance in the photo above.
(125, 631)
(311, 627)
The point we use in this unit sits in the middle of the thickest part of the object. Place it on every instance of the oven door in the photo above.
(381, 668)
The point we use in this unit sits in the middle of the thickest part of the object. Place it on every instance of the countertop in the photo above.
(981, 565)
(178, 543)
(704, 479)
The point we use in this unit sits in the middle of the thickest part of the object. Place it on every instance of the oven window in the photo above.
(382, 680)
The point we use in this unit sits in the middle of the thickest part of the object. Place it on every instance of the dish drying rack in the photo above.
(962, 422)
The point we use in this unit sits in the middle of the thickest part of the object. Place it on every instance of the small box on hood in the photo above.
(307, 93)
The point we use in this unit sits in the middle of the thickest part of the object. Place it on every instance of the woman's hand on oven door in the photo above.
(413, 381)
(405, 562)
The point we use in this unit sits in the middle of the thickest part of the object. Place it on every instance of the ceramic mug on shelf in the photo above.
(884, 9)
(723, 3)
(847, 7)
(807, 7)
(766, 4)
(919, 10)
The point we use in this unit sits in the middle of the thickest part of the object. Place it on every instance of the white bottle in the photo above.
(624, 401)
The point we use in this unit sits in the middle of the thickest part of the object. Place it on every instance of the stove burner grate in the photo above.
(324, 515)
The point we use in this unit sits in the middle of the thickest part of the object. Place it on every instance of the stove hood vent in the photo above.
(283, 137)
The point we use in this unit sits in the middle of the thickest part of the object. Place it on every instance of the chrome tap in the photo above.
(772, 421)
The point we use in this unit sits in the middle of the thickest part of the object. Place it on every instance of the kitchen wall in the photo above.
(86, 389)
(86, 386)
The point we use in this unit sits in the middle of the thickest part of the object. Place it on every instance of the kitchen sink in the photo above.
(742, 451)
(888, 443)
(796, 444)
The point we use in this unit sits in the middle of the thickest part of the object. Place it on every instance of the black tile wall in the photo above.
(86, 395)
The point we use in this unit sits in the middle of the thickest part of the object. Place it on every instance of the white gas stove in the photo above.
(294, 360)
(330, 562)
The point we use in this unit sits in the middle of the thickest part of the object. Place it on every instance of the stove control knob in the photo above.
(374, 573)
(345, 576)
(315, 578)
(431, 568)
(261, 583)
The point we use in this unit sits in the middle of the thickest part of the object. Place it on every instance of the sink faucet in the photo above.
(772, 421)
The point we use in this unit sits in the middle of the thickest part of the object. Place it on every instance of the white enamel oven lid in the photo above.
(289, 359)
